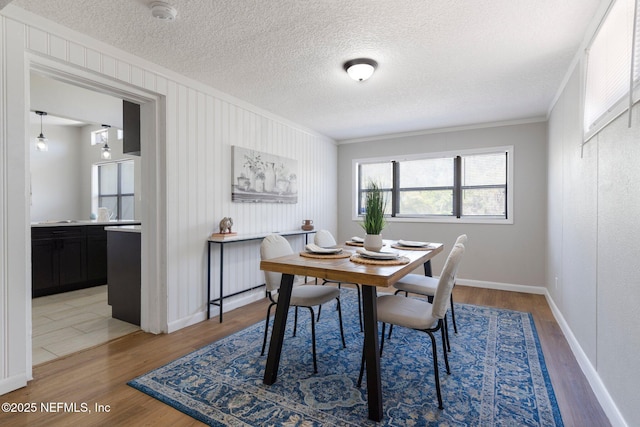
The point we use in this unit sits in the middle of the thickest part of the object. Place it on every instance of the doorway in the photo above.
(153, 316)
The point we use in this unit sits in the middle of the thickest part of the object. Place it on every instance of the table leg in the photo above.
(427, 268)
(277, 332)
(372, 352)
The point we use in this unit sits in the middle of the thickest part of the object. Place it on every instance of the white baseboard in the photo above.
(186, 321)
(12, 383)
(599, 389)
(526, 289)
(230, 304)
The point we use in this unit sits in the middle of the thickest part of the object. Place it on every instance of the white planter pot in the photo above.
(373, 242)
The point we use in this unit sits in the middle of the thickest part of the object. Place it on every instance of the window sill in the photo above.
(447, 220)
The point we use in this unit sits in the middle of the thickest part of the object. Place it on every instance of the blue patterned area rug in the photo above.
(498, 376)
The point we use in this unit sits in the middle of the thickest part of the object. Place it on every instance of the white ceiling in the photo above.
(442, 63)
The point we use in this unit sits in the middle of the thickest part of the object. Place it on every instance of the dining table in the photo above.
(371, 276)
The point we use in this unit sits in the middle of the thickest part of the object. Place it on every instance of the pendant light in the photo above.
(41, 141)
(106, 150)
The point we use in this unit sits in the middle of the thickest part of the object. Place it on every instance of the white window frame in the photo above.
(356, 216)
(612, 68)
(95, 183)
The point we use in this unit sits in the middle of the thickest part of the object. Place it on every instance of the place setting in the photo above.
(381, 257)
(312, 250)
(355, 241)
(411, 245)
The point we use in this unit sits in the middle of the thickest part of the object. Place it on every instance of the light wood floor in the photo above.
(98, 376)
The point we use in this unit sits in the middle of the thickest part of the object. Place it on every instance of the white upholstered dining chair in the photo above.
(325, 239)
(427, 285)
(274, 246)
(421, 315)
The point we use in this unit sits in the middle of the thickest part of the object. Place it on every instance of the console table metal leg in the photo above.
(221, 275)
(208, 280)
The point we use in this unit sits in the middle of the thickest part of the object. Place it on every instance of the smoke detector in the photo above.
(163, 11)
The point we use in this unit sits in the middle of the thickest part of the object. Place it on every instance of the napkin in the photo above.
(357, 239)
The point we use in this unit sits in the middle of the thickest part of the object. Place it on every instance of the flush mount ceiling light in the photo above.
(360, 69)
(41, 141)
(163, 11)
(106, 150)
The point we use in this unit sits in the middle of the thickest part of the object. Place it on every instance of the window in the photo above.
(470, 186)
(613, 67)
(99, 137)
(115, 188)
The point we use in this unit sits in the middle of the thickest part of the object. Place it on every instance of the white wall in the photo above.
(56, 174)
(594, 203)
(592, 273)
(73, 102)
(186, 166)
(494, 251)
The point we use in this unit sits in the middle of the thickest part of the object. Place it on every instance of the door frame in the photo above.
(152, 146)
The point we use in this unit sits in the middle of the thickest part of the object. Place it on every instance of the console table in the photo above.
(222, 241)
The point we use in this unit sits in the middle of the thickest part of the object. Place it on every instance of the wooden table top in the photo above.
(345, 270)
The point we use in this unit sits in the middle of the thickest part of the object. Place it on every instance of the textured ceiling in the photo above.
(441, 63)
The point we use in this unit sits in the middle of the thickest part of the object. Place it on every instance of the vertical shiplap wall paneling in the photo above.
(172, 174)
(196, 182)
(182, 162)
(207, 177)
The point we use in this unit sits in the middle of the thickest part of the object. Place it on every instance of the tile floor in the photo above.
(69, 322)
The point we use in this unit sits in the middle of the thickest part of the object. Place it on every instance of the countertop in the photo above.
(126, 228)
(71, 223)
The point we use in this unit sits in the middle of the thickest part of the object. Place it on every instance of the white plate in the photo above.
(378, 255)
(320, 250)
(357, 239)
(412, 244)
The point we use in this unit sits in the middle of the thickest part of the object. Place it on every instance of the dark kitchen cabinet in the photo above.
(44, 267)
(58, 259)
(96, 255)
(130, 128)
(124, 275)
(66, 258)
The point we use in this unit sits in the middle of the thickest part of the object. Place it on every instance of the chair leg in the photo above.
(453, 315)
(382, 339)
(447, 343)
(445, 339)
(266, 329)
(434, 351)
(295, 322)
(313, 341)
(359, 307)
(319, 311)
(359, 384)
(344, 344)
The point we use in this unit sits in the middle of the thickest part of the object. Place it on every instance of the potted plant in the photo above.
(374, 221)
